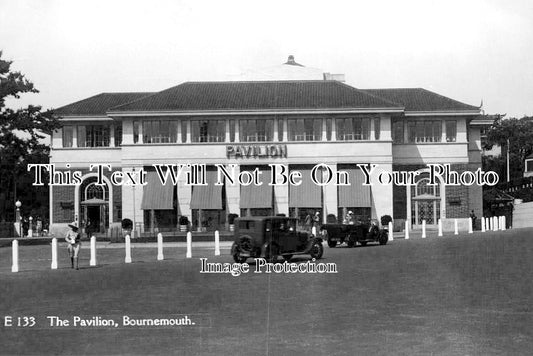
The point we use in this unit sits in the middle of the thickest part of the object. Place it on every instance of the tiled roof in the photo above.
(99, 104)
(419, 99)
(264, 95)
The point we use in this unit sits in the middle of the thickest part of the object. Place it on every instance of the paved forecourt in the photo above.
(466, 294)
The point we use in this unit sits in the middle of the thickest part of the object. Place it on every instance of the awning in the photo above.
(253, 196)
(157, 196)
(207, 196)
(306, 195)
(355, 195)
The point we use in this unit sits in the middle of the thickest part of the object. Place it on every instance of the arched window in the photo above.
(94, 191)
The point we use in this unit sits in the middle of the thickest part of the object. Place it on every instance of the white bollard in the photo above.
(54, 254)
(128, 249)
(488, 224)
(440, 227)
(456, 232)
(406, 230)
(494, 223)
(15, 256)
(504, 222)
(160, 247)
(470, 227)
(189, 245)
(391, 233)
(92, 261)
(217, 243)
(423, 229)
(482, 224)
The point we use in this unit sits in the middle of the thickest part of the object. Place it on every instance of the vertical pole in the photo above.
(54, 254)
(470, 228)
(494, 223)
(488, 224)
(160, 247)
(92, 262)
(440, 227)
(504, 222)
(423, 229)
(391, 233)
(482, 224)
(128, 249)
(406, 230)
(456, 227)
(15, 256)
(189, 245)
(217, 243)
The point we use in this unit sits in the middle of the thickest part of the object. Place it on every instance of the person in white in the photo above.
(74, 244)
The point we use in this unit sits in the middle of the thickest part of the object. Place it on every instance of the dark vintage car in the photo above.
(361, 233)
(271, 237)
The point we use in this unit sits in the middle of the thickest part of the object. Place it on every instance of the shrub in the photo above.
(127, 224)
(183, 220)
(385, 220)
(231, 218)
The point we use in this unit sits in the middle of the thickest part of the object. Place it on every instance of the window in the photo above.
(397, 131)
(232, 130)
(280, 129)
(118, 134)
(353, 129)
(451, 131)
(256, 130)
(93, 136)
(529, 166)
(329, 124)
(424, 131)
(305, 129)
(160, 131)
(377, 128)
(67, 136)
(208, 130)
(136, 125)
(184, 131)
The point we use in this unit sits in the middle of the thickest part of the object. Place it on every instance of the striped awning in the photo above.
(157, 196)
(207, 196)
(306, 195)
(355, 195)
(253, 196)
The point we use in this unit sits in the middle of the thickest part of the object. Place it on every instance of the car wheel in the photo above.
(317, 250)
(287, 257)
(271, 253)
(351, 241)
(383, 238)
(236, 253)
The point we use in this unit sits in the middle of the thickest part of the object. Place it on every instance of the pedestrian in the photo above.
(316, 220)
(74, 244)
(308, 222)
(473, 217)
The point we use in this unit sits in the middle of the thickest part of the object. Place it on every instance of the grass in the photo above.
(455, 295)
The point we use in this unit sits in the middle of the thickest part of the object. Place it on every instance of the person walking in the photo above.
(73, 238)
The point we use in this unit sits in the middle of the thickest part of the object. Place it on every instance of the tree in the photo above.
(22, 140)
(517, 134)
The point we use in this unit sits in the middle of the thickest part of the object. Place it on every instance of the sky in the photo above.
(471, 51)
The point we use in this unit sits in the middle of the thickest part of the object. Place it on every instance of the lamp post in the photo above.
(18, 217)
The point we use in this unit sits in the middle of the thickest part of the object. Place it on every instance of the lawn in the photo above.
(470, 294)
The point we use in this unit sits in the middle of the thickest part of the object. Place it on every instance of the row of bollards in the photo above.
(494, 223)
(127, 246)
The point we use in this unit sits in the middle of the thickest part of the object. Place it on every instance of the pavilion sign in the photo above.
(256, 151)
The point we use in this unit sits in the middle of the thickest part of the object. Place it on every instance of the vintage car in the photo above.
(271, 237)
(361, 233)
